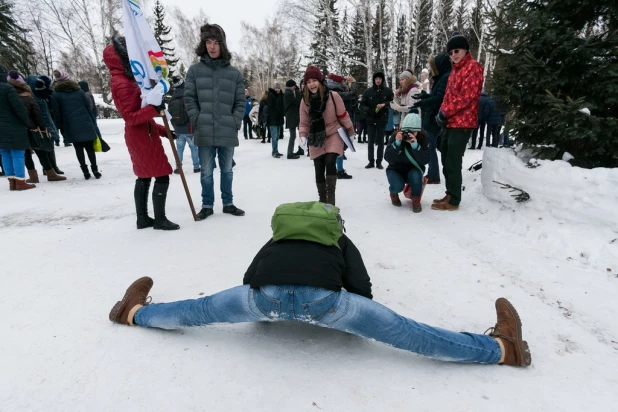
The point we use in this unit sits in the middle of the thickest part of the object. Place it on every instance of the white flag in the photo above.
(145, 55)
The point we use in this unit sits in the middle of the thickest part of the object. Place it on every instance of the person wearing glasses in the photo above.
(458, 117)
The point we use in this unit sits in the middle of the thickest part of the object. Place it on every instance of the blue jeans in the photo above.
(274, 134)
(180, 146)
(13, 162)
(398, 180)
(207, 163)
(433, 170)
(342, 311)
(339, 163)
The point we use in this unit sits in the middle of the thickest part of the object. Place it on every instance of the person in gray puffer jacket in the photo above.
(215, 101)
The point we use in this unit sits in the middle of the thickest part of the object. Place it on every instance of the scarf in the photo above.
(317, 131)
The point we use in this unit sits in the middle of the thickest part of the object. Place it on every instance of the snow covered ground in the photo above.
(70, 249)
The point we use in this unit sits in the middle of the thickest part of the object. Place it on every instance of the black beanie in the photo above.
(290, 83)
(457, 41)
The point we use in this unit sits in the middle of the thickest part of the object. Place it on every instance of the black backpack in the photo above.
(177, 110)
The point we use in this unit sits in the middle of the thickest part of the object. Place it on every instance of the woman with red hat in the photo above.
(321, 115)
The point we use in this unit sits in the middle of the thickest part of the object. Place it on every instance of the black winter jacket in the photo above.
(299, 262)
(397, 158)
(372, 97)
(291, 107)
(483, 107)
(14, 119)
(72, 113)
(431, 106)
(275, 108)
(263, 113)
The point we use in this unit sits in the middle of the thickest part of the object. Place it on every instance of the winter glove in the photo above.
(413, 109)
(422, 95)
(441, 119)
(174, 136)
(159, 108)
(417, 104)
(303, 142)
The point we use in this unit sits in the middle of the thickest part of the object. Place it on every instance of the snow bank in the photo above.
(584, 198)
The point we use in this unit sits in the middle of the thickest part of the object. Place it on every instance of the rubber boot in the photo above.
(95, 171)
(34, 176)
(159, 195)
(53, 177)
(20, 184)
(142, 188)
(52, 160)
(321, 192)
(331, 185)
(85, 172)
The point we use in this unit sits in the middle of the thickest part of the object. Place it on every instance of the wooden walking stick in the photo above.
(178, 162)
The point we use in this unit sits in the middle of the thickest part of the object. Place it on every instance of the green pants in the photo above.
(452, 148)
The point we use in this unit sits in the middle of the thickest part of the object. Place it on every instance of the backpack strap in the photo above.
(411, 159)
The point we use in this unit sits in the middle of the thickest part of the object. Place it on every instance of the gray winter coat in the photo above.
(215, 101)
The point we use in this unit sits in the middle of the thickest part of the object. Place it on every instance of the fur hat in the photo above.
(216, 32)
(13, 75)
(313, 72)
(290, 83)
(60, 75)
(336, 78)
(457, 41)
(177, 81)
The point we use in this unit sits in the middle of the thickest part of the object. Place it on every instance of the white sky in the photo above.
(228, 14)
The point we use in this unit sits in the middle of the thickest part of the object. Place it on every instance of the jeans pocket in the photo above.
(316, 310)
(267, 304)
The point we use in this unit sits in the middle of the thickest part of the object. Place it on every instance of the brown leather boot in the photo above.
(444, 199)
(331, 186)
(444, 205)
(321, 192)
(52, 176)
(135, 297)
(11, 183)
(395, 199)
(508, 330)
(416, 204)
(20, 184)
(34, 176)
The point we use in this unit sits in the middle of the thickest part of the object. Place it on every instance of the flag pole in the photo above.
(178, 162)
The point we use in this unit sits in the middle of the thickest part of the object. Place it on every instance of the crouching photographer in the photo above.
(407, 154)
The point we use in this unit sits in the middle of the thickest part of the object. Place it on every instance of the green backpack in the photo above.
(312, 221)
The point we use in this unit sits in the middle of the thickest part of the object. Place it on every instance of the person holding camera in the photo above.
(407, 154)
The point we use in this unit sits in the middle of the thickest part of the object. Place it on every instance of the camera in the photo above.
(407, 136)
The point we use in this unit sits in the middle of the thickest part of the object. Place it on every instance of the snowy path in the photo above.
(70, 249)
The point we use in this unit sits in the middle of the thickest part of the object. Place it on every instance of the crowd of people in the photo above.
(208, 109)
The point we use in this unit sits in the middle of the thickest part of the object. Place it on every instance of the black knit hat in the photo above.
(290, 83)
(39, 84)
(457, 41)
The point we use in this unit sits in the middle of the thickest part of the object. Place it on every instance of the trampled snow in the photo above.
(70, 249)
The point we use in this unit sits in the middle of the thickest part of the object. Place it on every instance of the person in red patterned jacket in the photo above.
(458, 117)
(143, 137)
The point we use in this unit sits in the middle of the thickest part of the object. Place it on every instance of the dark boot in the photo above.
(52, 160)
(300, 151)
(395, 201)
(95, 171)
(53, 177)
(33, 176)
(370, 165)
(159, 196)
(141, 204)
(331, 185)
(134, 298)
(416, 204)
(86, 172)
(321, 192)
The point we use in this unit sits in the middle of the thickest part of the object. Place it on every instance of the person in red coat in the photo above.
(458, 117)
(143, 137)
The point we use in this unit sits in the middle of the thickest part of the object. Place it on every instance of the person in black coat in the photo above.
(14, 122)
(375, 105)
(361, 121)
(75, 120)
(494, 121)
(263, 117)
(430, 106)
(304, 281)
(275, 117)
(480, 130)
(291, 107)
(407, 153)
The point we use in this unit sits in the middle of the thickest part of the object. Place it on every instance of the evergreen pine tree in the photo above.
(346, 44)
(552, 72)
(16, 51)
(381, 31)
(475, 27)
(357, 44)
(321, 52)
(400, 45)
(424, 25)
(161, 31)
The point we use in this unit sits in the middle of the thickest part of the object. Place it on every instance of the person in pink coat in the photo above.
(322, 113)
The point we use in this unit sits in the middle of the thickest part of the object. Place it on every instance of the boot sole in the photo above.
(524, 355)
(119, 306)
